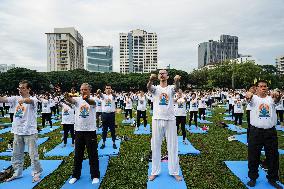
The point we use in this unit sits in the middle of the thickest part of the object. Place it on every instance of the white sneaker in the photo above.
(95, 181)
(72, 180)
(136, 128)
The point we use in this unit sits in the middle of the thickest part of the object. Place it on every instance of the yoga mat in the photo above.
(5, 130)
(240, 169)
(186, 148)
(141, 130)
(85, 181)
(108, 150)
(25, 182)
(39, 142)
(194, 130)
(4, 164)
(204, 121)
(46, 130)
(164, 180)
(237, 129)
(59, 151)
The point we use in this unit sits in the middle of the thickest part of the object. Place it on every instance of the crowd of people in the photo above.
(82, 113)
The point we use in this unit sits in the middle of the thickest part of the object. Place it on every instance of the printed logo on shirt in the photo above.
(180, 105)
(141, 101)
(65, 112)
(99, 103)
(20, 109)
(239, 105)
(108, 102)
(164, 99)
(264, 110)
(194, 105)
(44, 105)
(84, 111)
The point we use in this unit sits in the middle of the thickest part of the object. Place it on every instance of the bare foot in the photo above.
(36, 178)
(152, 177)
(177, 177)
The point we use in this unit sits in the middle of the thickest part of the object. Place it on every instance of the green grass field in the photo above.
(129, 168)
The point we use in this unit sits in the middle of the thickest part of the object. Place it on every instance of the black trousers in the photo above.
(259, 138)
(181, 120)
(121, 104)
(98, 118)
(39, 106)
(238, 118)
(53, 110)
(191, 114)
(66, 129)
(108, 121)
(6, 108)
(128, 111)
(248, 121)
(201, 112)
(141, 114)
(11, 117)
(86, 139)
(56, 111)
(46, 116)
(280, 114)
(231, 108)
(2, 111)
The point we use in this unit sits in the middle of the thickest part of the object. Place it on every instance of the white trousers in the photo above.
(167, 128)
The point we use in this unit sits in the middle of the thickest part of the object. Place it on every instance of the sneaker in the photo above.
(251, 183)
(275, 184)
(95, 181)
(114, 146)
(102, 146)
(72, 180)
(36, 177)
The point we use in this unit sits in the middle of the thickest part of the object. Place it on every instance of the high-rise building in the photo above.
(280, 64)
(64, 50)
(138, 52)
(99, 58)
(6, 67)
(217, 51)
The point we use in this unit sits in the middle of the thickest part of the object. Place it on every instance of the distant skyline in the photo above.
(180, 26)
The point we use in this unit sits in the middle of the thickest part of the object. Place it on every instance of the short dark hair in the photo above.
(27, 83)
(261, 81)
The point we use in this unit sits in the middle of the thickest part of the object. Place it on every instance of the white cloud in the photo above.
(180, 26)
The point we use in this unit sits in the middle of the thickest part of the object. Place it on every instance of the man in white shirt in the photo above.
(164, 123)
(24, 128)
(263, 134)
(141, 109)
(85, 133)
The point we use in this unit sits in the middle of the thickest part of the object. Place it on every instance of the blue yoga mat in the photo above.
(4, 164)
(25, 182)
(164, 180)
(85, 181)
(108, 150)
(186, 148)
(240, 169)
(59, 151)
(39, 142)
(141, 130)
(6, 124)
(6, 130)
(279, 128)
(229, 119)
(128, 121)
(237, 129)
(46, 130)
(243, 139)
(194, 130)
(203, 121)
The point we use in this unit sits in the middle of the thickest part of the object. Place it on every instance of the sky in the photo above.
(180, 26)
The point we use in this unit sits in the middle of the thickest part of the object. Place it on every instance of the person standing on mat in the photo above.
(85, 133)
(108, 114)
(141, 109)
(68, 121)
(263, 134)
(24, 128)
(164, 124)
(202, 107)
(180, 113)
(193, 109)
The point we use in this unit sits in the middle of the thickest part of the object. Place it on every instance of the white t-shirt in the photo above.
(193, 105)
(1, 105)
(52, 102)
(108, 104)
(98, 104)
(128, 103)
(238, 106)
(263, 113)
(280, 105)
(180, 107)
(163, 103)
(45, 106)
(68, 114)
(85, 115)
(202, 103)
(25, 117)
(141, 103)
